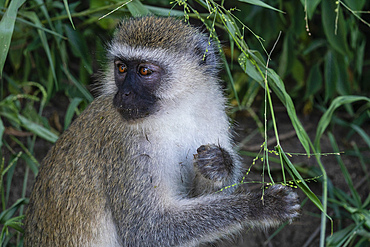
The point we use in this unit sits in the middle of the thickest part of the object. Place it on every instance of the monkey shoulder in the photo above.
(86, 142)
(95, 124)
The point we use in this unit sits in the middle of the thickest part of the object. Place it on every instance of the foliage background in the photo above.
(51, 50)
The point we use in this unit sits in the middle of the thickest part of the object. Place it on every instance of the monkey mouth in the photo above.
(132, 107)
(132, 114)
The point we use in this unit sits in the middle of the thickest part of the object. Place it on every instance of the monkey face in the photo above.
(136, 82)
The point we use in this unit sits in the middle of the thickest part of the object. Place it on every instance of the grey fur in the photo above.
(110, 182)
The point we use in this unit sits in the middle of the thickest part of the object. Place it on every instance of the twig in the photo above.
(272, 140)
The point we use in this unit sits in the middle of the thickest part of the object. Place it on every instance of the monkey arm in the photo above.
(188, 222)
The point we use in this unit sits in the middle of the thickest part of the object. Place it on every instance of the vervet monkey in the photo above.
(142, 165)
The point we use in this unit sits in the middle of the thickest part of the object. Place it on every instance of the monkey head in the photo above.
(155, 61)
(136, 83)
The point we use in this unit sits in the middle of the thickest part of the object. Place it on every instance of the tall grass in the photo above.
(48, 48)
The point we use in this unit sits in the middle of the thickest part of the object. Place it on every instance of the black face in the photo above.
(136, 82)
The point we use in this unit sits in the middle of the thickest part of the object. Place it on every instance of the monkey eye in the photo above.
(122, 68)
(145, 71)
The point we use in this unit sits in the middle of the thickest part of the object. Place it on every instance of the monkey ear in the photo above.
(210, 57)
(207, 52)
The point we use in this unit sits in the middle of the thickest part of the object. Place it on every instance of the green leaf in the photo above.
(7, 219)
(250, 94)
(229, 23)
(331, 75)
(68, 12)
(165, 11)
(32, 163)
(16, 56)
(287, 55)
(249, 68)
(38, 129)
(340, 237)
(15, 223)
(80, 87)
(298, 179)
(355, 5)
(298, 74)
(361, 133)
(337, 40)
(9, 171)
(136, 8)
(314, 81)
(8, 213)
(79, 46)
(314, 45)
(327, 116)
(360, 50)
(6, 30)
(42, 90)
(2, 129)
(310, 6)
(261, 4)
(343, 85)
(39, 27)
(70, 111)
(278, 87)
(356, 197)
(33, 17)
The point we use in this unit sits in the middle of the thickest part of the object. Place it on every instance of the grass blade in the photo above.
(327, 116)
(80, 87)
(70, 111)
(136, 8)
(79, 46)
(336, 36)
(33, 17)
(261, 4)
(298, 179)
(68, 12)
(2, 129)
(38, 129)
(6, 30)
(345, 172)
(278, 86)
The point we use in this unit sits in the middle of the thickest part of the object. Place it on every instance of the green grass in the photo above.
(317, 63)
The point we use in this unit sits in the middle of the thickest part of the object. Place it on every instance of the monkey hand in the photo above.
(280, 203)
(213, 162)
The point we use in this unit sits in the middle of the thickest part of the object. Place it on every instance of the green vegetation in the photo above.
(317, 63)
